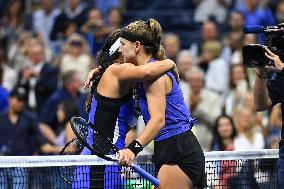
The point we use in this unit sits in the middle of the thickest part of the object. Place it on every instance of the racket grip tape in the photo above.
(146, 175)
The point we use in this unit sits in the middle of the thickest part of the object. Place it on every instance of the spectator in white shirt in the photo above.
(43, 20)
(204, 105)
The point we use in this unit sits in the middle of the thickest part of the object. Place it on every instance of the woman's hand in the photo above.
(91, 76)
(126, 157)
(278, 64)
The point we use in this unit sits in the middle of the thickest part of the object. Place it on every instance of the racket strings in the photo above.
(73, 147)
(102, 145)
(82, 129)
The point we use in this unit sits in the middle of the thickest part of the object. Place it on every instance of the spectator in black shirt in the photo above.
(19, 136)
(73, 14)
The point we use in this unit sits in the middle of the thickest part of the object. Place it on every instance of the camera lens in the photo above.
(257, 55)
(253, 56)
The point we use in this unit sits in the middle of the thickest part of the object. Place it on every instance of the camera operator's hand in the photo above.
(278, 64)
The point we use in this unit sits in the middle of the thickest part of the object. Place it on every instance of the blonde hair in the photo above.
(152, 31)
(75, 37)
(66, 49)
(214, 47)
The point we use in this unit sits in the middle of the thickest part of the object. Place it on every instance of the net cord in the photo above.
(69, 160)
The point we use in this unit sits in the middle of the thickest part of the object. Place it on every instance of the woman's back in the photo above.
(110, 85)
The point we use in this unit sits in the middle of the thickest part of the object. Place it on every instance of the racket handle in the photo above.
(146, 175)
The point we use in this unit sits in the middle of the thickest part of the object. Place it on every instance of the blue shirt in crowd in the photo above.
(4, 95)
(48, 114)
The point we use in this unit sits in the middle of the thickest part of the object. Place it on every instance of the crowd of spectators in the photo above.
(47, 52)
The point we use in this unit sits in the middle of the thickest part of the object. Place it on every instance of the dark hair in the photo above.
(104, 60)
(9, 5)
(68, 77)
(231, 82)
(20, 93)
(216, 136)
(70, 109)
(76, 43)
(151, 31)
(114, 9)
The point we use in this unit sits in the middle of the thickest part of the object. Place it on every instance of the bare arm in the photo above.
(48, 148)
(262, 100)
(47, 132)
(149, 71)
(156, 100)
(69, 132)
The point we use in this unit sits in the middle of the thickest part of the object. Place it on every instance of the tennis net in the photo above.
(244, 169)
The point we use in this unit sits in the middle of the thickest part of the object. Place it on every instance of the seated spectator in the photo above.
(12, 24)
(19, 129)
(69, 92)
(236, 22)
(239, 86)
(216, 9)
(224, 133)
(216, 69)
(95, 30)
(72, 17)
(9, 75)
(105, 5)
(199, 100)
(43, 20)
(75, 56)
(184, 63)
(209, 32)
(114, 19)
(254, 14)
(66, 110)
(232, 47)
(249, 137)
(17, 54)
(38, 77)
(19, 136)
(171, 45)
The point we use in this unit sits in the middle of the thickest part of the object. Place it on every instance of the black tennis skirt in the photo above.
(185, 151)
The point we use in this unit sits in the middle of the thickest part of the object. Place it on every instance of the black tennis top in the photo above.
(107, 112)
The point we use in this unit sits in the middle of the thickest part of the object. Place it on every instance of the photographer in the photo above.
(268, 91)
(94, 30)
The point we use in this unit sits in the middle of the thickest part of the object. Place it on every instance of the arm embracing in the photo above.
(149, 71)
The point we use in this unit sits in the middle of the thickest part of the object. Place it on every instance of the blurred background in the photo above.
(47, 48)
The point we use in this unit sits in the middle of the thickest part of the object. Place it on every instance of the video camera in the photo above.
(253, 54)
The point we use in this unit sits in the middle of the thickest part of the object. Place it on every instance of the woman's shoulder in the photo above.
(119, 66)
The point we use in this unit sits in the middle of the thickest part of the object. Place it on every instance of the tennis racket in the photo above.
(73, 147)
(102, 146)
